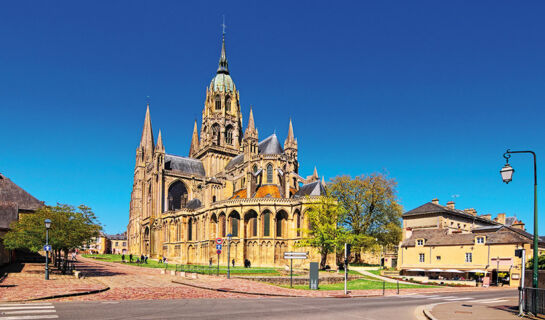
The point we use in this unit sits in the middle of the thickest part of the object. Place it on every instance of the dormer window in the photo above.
(479, 240)
(420, 242)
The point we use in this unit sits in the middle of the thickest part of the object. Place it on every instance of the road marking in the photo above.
(27, 308)
(495, 301)
(24, 304)
(458, 299)
(441, 298)
(31, 317)
(29, 311)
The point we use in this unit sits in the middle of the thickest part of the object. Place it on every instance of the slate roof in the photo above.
(437, 208)
(184, 165)
(235, 161)
(439, 237)
(194, 204)
(311, 189)
(270, 145)
(10, 192)
(119, 236)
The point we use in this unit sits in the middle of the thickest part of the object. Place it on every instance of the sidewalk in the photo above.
(27, 282)
(363, 270)
(507, 310)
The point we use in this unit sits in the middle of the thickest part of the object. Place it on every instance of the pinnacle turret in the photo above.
(146, 142)
(223, 64)
(194, 141)
(251, 131)
(159, 146)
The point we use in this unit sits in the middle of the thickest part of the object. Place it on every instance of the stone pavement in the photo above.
(504, 309)
(26, 281)
(129, 282)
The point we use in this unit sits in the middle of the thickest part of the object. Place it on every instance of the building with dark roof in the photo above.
(444, 243)
(231, 182)
(14, 201)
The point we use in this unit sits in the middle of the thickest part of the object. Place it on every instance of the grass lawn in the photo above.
(362, 284)
(377, 272)
(190, 268)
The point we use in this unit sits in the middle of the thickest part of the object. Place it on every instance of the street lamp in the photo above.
(507, 175)
(47, 226)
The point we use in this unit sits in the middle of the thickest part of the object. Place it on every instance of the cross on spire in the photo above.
(223, 26)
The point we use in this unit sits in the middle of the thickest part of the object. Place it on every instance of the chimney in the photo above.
(519, 225)
(471, 211)
(500, 218)
(435, 201)
(486, 216)
(450, 204)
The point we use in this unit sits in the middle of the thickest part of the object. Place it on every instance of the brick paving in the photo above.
(467, 311)
(129, 282)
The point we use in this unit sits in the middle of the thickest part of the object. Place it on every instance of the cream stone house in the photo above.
(230, 183)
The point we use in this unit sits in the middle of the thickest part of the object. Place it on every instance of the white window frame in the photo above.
(422, 257)
(470, 256)
(480, 240)
(419, 242)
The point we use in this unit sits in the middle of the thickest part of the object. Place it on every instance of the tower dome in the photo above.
(222, 80)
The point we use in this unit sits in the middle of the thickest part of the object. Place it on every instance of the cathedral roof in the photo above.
(268, 191)
(271, 145)
(311, 189)
(185, 165)
(235, 161)
(194, 204)
(222, 82)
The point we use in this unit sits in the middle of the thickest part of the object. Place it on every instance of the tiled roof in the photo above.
(119, 236)
(8, 214)
(10, 192)
(437, 208)
(268, 191)
(311, 189)
(438, 237)
(239, 194)
(184, 165)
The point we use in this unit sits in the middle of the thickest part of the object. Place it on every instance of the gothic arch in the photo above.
(213, 226)
(250, 224)
(229, 130)
(222, 227)
(216, 134)
(177, 195)
(234, 223)
(270, 173)
(281, 224)
(297, 223)
(266, 223)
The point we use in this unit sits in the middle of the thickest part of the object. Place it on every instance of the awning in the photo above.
(416, 270)
(435, 270)
(477, 271)
(454, 271)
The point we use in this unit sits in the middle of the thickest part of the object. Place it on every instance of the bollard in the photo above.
(397, 286)
(383, 287)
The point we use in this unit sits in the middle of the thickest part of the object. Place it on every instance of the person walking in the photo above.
(210, 262)
(123, 257)
(130, 258)
(146, 259)
(233, 262)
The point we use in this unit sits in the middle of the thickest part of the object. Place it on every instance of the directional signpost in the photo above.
(291, 256)
(229, 236)
(219, 242)
(47, 247)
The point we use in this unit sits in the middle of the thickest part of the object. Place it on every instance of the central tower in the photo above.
(221, 128)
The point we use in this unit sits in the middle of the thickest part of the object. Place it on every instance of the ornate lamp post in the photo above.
(47, 226)
(507, 175)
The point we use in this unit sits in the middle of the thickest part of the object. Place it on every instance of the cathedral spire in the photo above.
(315, 174)
(159, 145)
(194, 141)
(291, 143)
(251, 131)
(223, 64)
(147, 133)
(290, 132)
(251, 124)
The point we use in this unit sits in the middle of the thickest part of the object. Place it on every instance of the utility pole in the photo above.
(229, 236)
(346, 255)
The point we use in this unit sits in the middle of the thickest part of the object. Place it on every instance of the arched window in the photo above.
(269, 173)
(177, 196)
(266, 224)
(216, 134)
(254, 227)
(190, 230)
(222, 225)
(298, 223)
(255, 168)
(234, 218)
(229, 135)
(228, 104)
(218, 102)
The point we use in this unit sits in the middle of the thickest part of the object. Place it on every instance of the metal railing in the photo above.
(534, 300)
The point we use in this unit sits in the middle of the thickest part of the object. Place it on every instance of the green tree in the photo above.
(325, 231)
(70, 228)
(540, 261)
(371, 208)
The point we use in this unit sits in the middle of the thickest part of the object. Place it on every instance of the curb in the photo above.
(62, 295)
(426, 311)
(240, 292)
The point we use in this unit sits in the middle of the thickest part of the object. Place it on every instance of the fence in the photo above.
(534, 300)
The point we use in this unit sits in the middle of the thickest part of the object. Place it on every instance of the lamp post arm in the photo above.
(507, 153)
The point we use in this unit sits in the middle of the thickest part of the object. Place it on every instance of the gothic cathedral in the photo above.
(231, 183)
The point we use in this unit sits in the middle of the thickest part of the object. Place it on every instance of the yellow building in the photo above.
(230, 183)
(441, 243)
(118, 243)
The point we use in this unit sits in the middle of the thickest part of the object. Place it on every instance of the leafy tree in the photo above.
(325, 231)
(540, 261)
(70, 228)
(371, 208)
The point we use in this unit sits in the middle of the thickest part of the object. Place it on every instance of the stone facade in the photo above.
(229, 184)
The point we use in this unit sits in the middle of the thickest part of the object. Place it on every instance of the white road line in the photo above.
(30, 307)
(49, 316)
(458, 299)
(495, 301)
(441, 298)
(28, 311)
(24, 304)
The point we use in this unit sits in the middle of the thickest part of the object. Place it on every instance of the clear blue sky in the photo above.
(431, 92)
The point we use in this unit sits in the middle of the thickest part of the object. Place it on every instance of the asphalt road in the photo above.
(379, 308)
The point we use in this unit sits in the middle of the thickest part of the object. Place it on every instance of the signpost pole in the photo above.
(346, 249)
(47, 254)
(228, 255)
(218, 264)
(522, 275)
(291, 273)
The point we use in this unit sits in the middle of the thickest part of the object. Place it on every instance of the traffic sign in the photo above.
(218, 246)
(295, 255)
(47, 247)
(219, 240)
(219, 251)
(229, 236)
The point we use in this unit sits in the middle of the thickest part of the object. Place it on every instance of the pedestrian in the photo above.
(146, 259)
(123, 257)
(130, 258)
(141, 258)
(210, 262)
(233, 262)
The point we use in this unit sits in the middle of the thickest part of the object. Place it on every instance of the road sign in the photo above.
(295, 255)
(47, 247)
(218, 246)
(219, 251)
(219, 240)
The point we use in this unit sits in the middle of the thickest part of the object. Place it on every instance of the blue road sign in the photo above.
(218, 246)
(229, 235)
(47, 247)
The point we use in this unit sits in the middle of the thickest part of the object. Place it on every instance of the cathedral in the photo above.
(230, 183)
